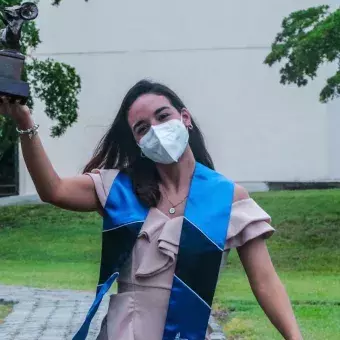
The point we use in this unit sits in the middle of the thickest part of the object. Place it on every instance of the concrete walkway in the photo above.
(47, 314)
(19, 200)
(41, 314)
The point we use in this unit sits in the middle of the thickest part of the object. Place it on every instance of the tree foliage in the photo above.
(56, 84)
(309, 39)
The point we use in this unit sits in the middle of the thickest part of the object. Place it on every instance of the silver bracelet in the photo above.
(31, 132)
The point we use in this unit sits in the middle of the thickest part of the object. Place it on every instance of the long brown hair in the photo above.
(119, 150)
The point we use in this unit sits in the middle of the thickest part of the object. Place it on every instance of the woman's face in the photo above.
(151, 109)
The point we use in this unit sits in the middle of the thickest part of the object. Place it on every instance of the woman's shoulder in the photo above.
(103, 180)
(240, 193)
(243, 204)
(247, 220)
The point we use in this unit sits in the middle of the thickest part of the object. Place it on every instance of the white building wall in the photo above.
(211, 53)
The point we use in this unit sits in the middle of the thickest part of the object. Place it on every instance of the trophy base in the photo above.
(11, 67)
(14, 89)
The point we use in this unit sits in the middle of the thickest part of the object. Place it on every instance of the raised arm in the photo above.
(75, 193)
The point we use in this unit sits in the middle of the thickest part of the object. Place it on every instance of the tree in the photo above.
(54, 83)
(309, 39)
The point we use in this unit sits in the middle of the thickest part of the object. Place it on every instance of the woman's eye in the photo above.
(163, 116)
(142, 130)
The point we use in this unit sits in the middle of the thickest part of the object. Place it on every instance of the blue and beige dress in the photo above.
(160, 295)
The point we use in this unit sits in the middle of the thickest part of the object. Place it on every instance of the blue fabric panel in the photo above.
(122, 206)
(84, 329)
(209, 204)
(188, 314)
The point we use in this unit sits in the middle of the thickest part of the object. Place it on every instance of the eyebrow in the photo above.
(140, 122)
(161, 109)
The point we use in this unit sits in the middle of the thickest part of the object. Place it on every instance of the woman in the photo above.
(168, 217)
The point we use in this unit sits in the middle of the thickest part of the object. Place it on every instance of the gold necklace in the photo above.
(172, 210)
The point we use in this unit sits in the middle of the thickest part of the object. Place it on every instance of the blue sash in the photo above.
(203, 236)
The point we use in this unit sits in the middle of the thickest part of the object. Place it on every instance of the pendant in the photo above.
(172, 211)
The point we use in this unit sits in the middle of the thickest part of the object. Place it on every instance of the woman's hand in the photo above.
(75, 193)
(21, 114)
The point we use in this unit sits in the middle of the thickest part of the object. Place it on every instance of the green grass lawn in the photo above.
(42, 246)
(5, 309)
(306, 253)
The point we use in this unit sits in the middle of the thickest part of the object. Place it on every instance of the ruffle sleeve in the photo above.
(247, 222)
(103, 180)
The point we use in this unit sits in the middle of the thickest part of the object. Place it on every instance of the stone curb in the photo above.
(214, 327)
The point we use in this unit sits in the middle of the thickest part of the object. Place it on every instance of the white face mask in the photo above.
(165, 143)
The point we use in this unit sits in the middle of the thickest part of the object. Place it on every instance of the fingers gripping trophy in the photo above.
(11, 59)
